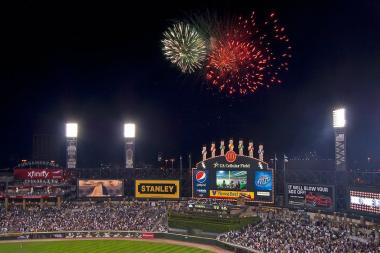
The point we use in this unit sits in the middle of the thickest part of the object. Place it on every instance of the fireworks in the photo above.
(184, 47)
(238, 57)
(248, 56)
(235, 67)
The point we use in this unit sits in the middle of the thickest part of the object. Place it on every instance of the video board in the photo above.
(244, 177)
(231, 180)
(310, 196)
(365, 200)
(100, 188)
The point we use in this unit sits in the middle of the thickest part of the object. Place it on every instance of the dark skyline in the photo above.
(102, 65)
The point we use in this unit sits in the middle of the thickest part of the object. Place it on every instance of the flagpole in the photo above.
(275, 162)
(284, 172)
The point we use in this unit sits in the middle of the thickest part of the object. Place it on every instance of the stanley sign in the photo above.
(157, 189)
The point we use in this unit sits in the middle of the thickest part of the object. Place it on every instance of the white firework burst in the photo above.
(184, 47)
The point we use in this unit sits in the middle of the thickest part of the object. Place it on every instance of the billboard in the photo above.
(310, 196)
(100, 188)
(250, 196)
(233, 176)
(201, 184)
(263, 180)
(365, 201)
(25, 174)
(157, 189)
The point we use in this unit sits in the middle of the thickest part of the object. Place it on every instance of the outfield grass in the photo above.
(209, 224)
(96, 246)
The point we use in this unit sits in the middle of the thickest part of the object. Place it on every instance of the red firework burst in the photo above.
(236, 67)
(248, 56)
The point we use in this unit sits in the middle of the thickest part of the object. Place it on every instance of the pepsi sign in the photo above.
(200, 184)
(201, 177)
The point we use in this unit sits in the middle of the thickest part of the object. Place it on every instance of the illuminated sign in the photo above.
(365, 201)
(157, 189)
(38, 174)
(310, 196)
(230, 156)
(200, 183)
(263, 180)
(232, 194)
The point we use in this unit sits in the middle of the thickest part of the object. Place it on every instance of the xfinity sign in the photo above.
(33, 174)
(24, 174)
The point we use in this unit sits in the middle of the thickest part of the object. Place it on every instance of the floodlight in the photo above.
(339, 118)
(71, 130)
(129, 130)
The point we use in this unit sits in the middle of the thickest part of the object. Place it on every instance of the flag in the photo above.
(285, 159)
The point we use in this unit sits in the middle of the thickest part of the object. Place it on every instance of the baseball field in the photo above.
(97, 246)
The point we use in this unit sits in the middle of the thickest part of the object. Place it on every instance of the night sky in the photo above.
(102, 65)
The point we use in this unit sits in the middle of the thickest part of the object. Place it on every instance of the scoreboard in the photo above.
(232, 177)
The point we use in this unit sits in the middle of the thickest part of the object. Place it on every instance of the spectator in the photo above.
(288, 232)
(83, 216)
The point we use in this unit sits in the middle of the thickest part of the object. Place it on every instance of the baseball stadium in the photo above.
(232, 200)
(190, 127)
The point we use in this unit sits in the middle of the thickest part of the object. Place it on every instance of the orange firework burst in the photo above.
(248, 56)
(236, 67)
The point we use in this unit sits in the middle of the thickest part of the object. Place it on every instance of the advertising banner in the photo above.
(200, 184)
(263, 180)
(25, 174)
(310, 196)
(231, 195)
(157, 189)
(148, 236)
(100, 188)
(365, 201)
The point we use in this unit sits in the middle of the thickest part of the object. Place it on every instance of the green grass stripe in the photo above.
(96, 246)
(210, 224)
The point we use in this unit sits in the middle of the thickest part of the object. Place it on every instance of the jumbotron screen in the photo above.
(100, 188)
(365, 201)
(231, 180)
(233, 177)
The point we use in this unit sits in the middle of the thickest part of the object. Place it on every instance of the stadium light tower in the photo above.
(339, 123)
(71, 145)
(129, 135)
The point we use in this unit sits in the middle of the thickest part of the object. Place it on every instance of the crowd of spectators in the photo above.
(280, 231)
(86, 216)
(288, 232)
